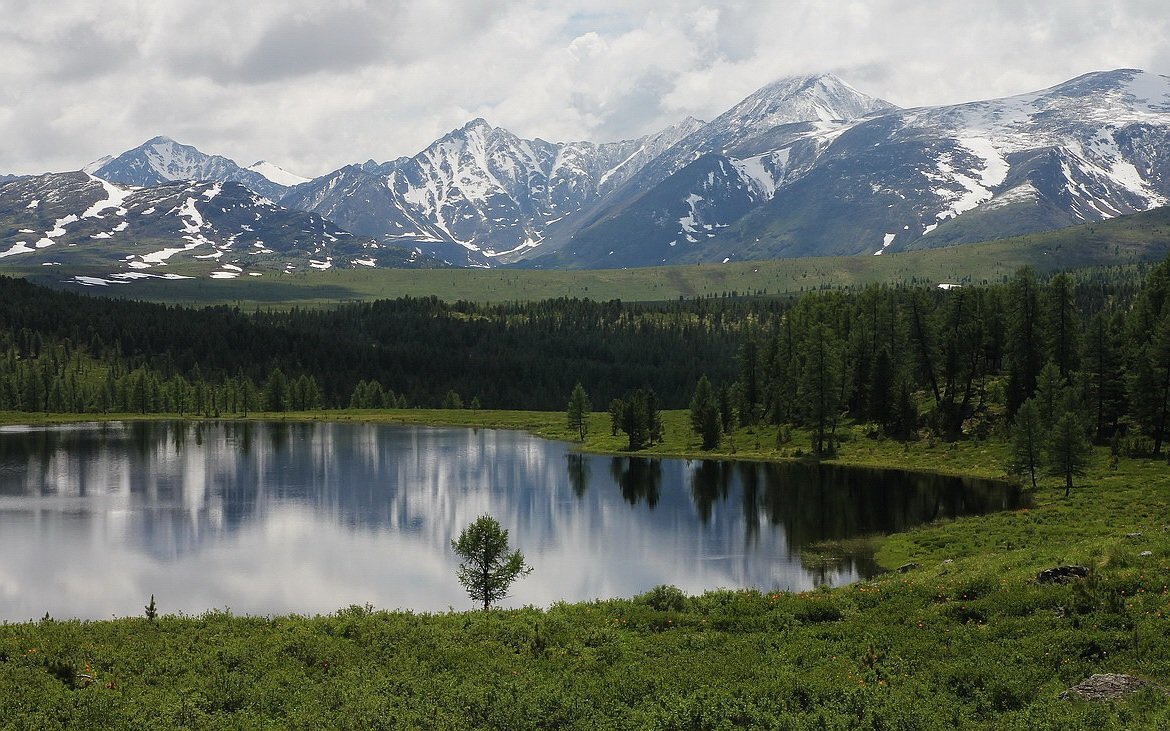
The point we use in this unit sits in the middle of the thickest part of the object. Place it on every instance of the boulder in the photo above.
(1104, 687)
(1061, 574)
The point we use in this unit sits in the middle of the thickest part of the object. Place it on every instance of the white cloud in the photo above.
(313, 86)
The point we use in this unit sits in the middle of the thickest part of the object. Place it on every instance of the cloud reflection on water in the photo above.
(270, 518)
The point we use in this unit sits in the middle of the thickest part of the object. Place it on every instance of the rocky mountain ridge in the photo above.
(803, 166)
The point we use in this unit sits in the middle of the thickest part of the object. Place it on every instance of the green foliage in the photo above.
(664, 598)
(640, 418)
(967, 640)
(1027, 442)
(1068, 449)
(488, 568)
(704, 414)
(820, 385)
(452, 400)
(578, 411)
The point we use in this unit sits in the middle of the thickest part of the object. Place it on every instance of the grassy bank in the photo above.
(963, 640)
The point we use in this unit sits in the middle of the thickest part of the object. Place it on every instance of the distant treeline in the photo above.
(66, 352)
(956, 362)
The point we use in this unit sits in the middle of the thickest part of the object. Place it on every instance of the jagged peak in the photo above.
(477, 124)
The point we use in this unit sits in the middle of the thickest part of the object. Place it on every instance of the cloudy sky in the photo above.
(313, 85)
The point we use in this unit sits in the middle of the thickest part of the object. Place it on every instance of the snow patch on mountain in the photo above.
(276, 174)
(115, 196)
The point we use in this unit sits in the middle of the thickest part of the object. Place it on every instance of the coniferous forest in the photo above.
(906, 360)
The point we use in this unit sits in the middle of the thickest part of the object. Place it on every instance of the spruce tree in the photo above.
(1024, 343)
(578, 411)
(1027, 441)
(1068, 449)
(821, 385)
(705, 419)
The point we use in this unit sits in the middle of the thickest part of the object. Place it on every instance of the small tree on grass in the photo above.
(488, 568)
(616, 408)
(1027, 441)
(579, 408)
(1068, 449)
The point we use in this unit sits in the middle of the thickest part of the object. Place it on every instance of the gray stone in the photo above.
(1104, 687)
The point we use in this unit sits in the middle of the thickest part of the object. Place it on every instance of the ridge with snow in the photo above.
(803, 166)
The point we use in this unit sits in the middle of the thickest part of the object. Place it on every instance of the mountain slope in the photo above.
(75, 220)
(1089, 149)
(479, 192)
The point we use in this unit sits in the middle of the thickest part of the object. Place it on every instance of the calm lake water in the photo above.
(269, 518)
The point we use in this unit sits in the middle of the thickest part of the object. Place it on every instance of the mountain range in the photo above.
(803, 166)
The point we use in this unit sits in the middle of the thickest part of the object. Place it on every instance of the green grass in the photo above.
(1124, 241)
(965, 640)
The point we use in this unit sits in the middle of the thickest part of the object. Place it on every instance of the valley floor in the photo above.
(964, 638)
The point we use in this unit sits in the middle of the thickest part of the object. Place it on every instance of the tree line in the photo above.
(958, 363)
(904, 360)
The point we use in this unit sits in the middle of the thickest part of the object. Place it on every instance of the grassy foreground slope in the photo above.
(1126, 240)
(963, 640)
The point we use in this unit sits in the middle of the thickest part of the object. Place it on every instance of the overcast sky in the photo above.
(313, 85)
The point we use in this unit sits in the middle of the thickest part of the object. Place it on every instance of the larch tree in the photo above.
(578, 411)
(487, 567)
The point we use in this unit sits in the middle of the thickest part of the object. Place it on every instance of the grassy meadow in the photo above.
(963, 639)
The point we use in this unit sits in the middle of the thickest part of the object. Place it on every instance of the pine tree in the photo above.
(705, 414)
(1050, 393)
(821, 385)
(1150, 384)
(1027, 441)
(616, 408)
(578, 411)
(1104, 372)
(1062, 325)
(1068, 449)
(750, 382)
(636, 420)
(1024, 344)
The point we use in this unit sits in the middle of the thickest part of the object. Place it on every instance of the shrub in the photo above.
(664, 598)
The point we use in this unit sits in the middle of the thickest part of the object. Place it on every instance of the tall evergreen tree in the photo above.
(1062, 323)
(276, 391)
(705, 414)
(1104, 374)
(616, 408)
(636, 419)
(578, 411)
(820, 384)
(1068, 449)
(1027, 441)
(1024, 351)
(1150, 384)
(751, 381)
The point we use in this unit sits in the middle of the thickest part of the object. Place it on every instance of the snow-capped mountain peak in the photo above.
(162, 160)
(822, 97)
(276, 174)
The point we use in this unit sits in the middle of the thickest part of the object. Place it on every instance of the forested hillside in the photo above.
(908, 360)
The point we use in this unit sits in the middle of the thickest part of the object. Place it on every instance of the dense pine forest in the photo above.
(909, 361)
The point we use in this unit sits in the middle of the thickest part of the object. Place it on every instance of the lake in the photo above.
(277, 518)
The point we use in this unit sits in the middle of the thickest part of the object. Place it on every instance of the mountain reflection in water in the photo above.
(280, 517)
